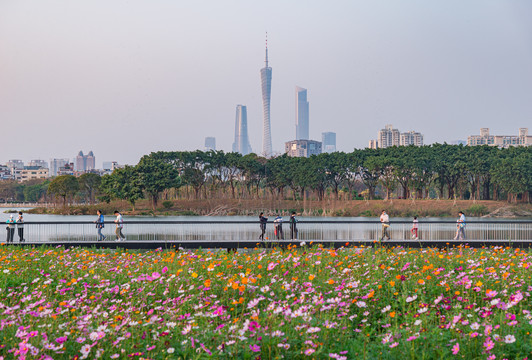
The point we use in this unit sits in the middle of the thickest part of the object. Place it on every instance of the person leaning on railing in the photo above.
(10, 229)
(20, 227)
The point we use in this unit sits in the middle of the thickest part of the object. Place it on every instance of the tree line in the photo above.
(435, 171)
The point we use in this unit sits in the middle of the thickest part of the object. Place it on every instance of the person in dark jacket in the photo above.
(100, 225)
(262, 220)
(20, 227)
(293, 226)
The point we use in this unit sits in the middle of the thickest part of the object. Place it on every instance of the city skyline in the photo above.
(419, 65)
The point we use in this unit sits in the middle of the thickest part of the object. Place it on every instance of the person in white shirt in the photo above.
(119, 225)
(460, 227)
(385, 221)
(414, 228)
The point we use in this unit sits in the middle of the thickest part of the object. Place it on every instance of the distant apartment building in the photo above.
(55, 164)
(85, 163)
(33, 173)
(303, 148)
(15, 164)
(38, 163)
(66, 169)
(328, 140)
(389, 136)
(5, 172)
(502, 141)
(411, 138)
(210, 143)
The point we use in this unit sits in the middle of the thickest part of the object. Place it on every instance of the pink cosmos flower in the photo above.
(165, 269)
(456, 348)
(271, 266)
(309, 352)
(254, 348)
(489, 344)
(394, 345)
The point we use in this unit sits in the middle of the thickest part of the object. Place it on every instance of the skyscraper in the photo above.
(85, 162)
(328, 140)
(241, 144)
(301, 114)
(266, 83)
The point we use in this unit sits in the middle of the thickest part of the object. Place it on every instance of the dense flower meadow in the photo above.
(304, 302)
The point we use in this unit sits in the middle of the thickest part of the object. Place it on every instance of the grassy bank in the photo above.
(373, 208)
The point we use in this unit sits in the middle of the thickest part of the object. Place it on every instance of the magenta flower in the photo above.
(309, 352)
(165, 269)
(254, 348)
(61, 339)
(456, 348)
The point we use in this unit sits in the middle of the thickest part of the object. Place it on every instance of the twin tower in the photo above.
(241, 143)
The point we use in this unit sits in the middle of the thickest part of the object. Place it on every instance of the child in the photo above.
(414, 228)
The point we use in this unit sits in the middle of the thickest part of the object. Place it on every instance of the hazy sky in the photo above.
(125, 78)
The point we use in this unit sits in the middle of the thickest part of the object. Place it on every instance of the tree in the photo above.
(64, 186)
(156, 176)
(89, 183)
(124, 184)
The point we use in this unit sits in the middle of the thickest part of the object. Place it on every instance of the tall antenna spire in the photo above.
(266, 49)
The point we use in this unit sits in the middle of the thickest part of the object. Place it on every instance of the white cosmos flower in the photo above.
(411, 298)
(509, 339)
(386, 308)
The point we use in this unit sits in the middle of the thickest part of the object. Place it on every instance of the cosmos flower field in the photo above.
(304, 302)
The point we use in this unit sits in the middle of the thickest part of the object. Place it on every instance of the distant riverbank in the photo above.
(331, 208)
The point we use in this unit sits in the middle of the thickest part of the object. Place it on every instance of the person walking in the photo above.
(385, 221)
(293, 226)
(20, 227)
(262, 220)
(460, 227)
(119, 225)
(278, 224)
(100, 224)
(10, 229)
(414, 228)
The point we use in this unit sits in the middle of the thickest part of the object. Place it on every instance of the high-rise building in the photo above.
(302, 116)
(266, 84)
(55, 164)
(411, 138)
(328, 140)
(90, 161)
(85, 163)
(389, 136)
(503, 141)
(241, 144)
(210, 143)
(302, 148)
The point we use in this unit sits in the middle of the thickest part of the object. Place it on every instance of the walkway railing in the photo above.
(204, 230)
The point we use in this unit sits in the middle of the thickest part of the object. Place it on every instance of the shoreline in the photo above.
(326, 208)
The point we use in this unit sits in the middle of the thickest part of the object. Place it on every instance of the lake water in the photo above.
(202, 228)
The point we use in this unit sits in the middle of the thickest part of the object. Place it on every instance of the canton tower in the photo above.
(266, 82)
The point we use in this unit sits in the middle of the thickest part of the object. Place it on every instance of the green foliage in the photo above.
(64, 186)
(167, 204)
(477, 210)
